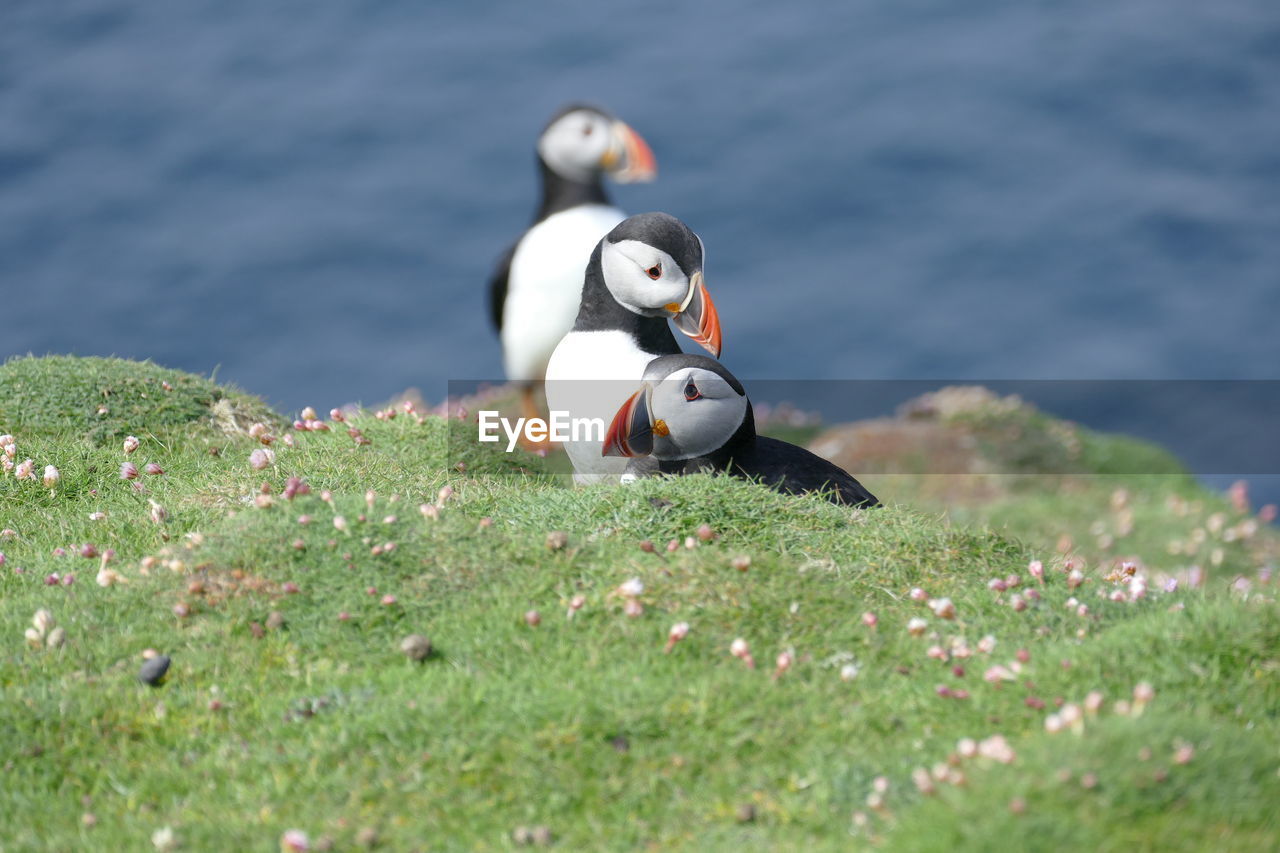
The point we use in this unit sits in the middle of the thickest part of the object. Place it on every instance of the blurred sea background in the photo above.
(308, 198)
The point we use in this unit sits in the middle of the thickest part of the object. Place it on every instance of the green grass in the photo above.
(584, 725)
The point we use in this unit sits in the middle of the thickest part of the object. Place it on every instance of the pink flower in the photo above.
(128, 471)
(1036, 570)
(678, 632)
(783, 663)
(1142, 694)
(261, 458)
(943, 608)
(917, 594)
(26, 470)
(997, 749)
(337, 416)
(532, 618)
(739, 649)
(295, 841)
(632, 588)
(869, 619)
(917, 626)
(998, 673)
(153, 469)
(1239, 494)
(295, 486)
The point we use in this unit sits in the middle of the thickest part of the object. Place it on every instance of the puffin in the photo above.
(647, 270)
(693, 415)
(534, 291)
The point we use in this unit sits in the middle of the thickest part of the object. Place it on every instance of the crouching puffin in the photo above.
(693, 415)
(644, 271)
(535, 290)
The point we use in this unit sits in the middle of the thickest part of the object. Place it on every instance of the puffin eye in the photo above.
(691, 391)
(587, 129)
(654, 272)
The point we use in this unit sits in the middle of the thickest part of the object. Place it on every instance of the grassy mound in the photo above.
(290, 705)
(107, 398)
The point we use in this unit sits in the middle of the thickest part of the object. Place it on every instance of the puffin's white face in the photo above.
(644, 279)
(695, 412)
(652, 265)
(584, 143)
(691, 411)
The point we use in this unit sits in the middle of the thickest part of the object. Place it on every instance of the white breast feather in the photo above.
(591, 375)
(544, 285)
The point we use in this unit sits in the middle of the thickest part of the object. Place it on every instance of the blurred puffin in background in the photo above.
(693, 415)
(535, 292)
(644, 272)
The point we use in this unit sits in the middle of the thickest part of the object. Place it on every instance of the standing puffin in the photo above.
(644, 271)
(535, 290)
(693, 415)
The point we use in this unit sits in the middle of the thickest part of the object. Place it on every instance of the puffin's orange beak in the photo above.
(697, 317)
(636, 163)
(631, 432)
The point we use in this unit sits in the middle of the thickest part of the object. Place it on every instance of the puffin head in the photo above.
(580, 143)
(652, 265)
(688, 406)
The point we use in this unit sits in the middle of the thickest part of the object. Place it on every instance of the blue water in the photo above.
(309, 197)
